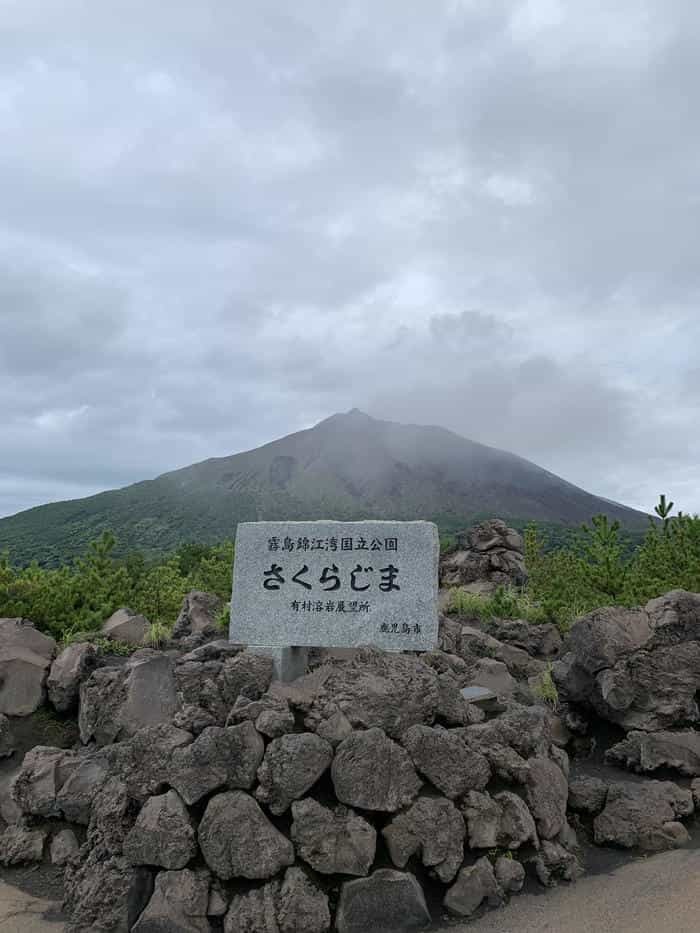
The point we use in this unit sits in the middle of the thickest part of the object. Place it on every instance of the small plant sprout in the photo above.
(546, 689)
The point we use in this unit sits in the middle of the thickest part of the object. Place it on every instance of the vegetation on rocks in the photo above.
(506, 603)
(546, 689)
(597, 567)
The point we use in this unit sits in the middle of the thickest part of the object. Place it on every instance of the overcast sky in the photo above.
(221, 222)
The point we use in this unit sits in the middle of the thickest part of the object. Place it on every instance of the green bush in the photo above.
(223, 619)
(600, 569)
(73, 601)
(596, 565)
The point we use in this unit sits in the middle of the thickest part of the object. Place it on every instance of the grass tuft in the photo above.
(546, 689)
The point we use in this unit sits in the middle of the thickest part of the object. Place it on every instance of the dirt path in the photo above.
(646, 896)
(22, 913)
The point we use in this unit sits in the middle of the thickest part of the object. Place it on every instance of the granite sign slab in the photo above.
(336, 584)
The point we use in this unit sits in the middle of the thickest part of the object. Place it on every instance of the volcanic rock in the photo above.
(372, 772)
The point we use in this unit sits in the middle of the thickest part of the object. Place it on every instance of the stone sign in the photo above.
(336, 584)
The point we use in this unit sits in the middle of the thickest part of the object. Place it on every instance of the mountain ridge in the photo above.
(348, 466)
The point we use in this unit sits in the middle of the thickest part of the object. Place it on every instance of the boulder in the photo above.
(117, 702)
(554, 862)
(520, 664)
(493, 675)
(75, 796)
(587, 794)
(561, 736)
(637, 667)
(432, 828)
(541, 641)
(379, 689)
(178, 905)
(605, 636)
(525, 729)
(163, 834)
(386, 902)
(19, 845)
(291, 766)
(483, 816)
(105, 893)
(295, 905)
(453, 708)
(271, 715)
(334, 728)
(695, 790)
(25, 658)
(150, 691)
(373, 772)
(10, 812)
(674, 617)
(127, 626)
(646, 751)
(644, 815)
(7, 741)
(43, 773)
(112, 817)
(254, 911)
(198, 690)
(476, 643)
(652, 690)
(473, 886)
(73, 665)
(64, 846)
(302, 907)
(102, 696)
(145, 761)
(446, 761)
(502, 821)
(238, 841)
(212, 677)
(198, 615)
(218, 650)
(506, 763)
(218, 899)
(194, 719)
(510, 874)
(517, 824)
(445, 662)
(489, 555)
(568, 838)
(219, 757)
(448, 629)
(547, 794)
(247, 674)
(333, 842)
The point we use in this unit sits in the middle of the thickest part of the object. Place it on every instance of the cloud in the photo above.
(220, 224)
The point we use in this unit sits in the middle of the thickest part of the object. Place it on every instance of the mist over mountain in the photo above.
(349, 466)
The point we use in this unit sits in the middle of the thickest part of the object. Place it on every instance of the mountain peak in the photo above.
(354, 414)
(347, 467)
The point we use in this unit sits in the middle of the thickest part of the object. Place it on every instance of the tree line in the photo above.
(596, 566)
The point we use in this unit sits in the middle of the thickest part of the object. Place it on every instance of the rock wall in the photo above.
(205, 796)
(489, 555)
(371, 794)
